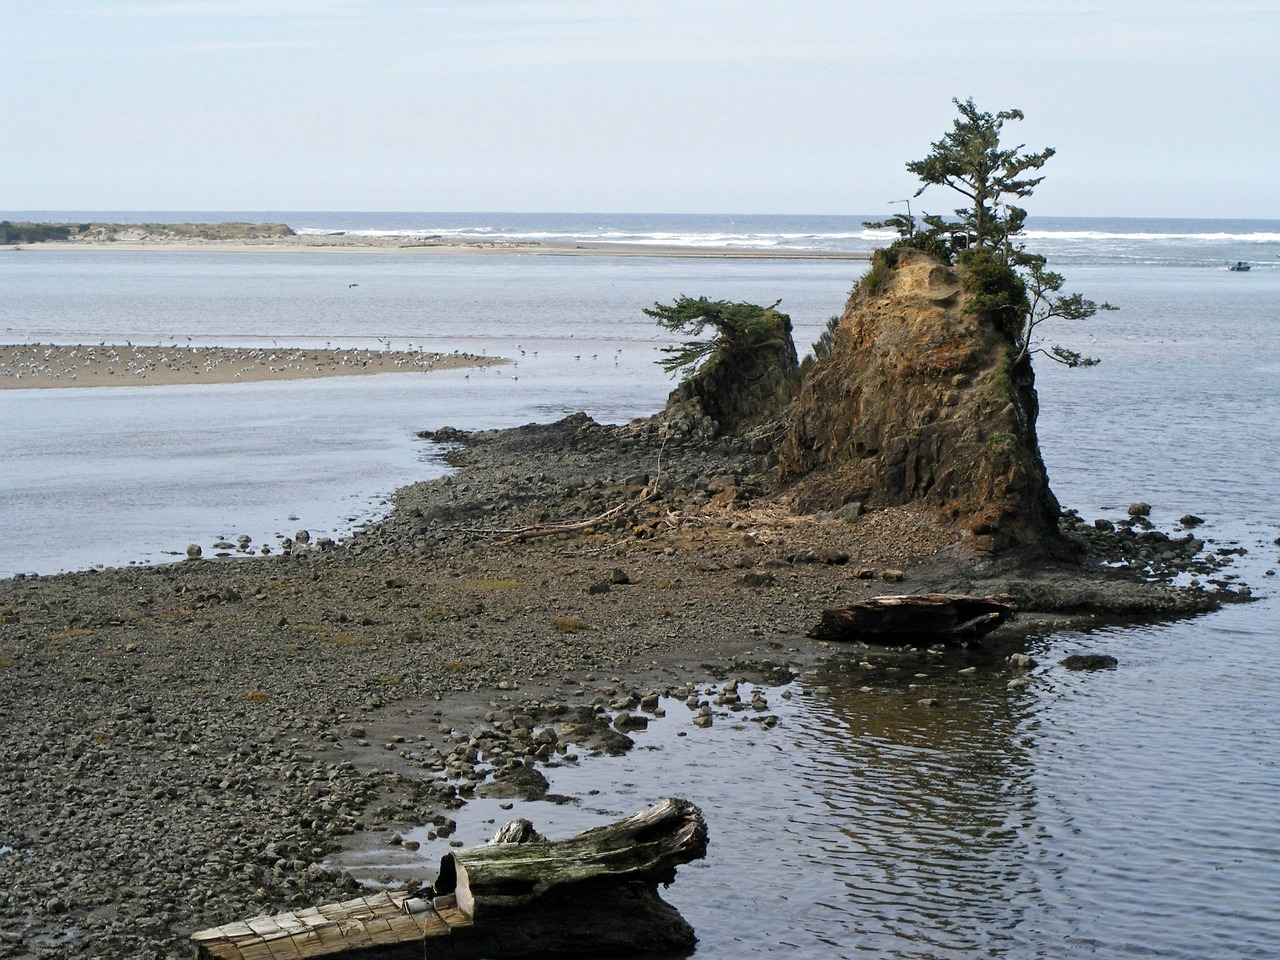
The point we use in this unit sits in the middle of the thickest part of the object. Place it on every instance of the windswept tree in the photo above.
(738, 359)
(971, 160)
(1012, 285)
(738, 331)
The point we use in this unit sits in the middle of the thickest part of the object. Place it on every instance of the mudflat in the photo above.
(187, 745)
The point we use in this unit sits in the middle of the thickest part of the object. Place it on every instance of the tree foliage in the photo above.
(1007, 283)
(33, 232)
(822, 347)
(738, 329)
(971, 161)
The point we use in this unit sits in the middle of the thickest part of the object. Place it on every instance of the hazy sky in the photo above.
(1156, 107)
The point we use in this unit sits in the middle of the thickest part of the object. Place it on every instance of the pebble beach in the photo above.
(191, 744)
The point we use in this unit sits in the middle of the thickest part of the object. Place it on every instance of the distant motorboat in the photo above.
(1240, 265)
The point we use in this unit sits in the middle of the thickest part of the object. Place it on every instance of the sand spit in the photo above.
(349, 243)
(42, 365)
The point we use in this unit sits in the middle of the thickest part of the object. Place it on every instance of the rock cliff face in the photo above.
(736, 389)
(917, 402)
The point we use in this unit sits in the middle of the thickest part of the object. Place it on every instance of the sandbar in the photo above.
(43, 365)
(428, 246)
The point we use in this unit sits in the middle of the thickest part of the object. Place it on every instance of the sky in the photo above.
(1159, 108)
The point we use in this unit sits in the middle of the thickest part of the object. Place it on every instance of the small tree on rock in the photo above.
(740, 329)
(971, 161)
(742, 373)
(1011, 285)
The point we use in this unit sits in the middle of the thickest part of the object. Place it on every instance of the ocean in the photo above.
(1134, 812)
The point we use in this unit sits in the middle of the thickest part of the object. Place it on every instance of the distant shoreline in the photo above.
(278, 238)
(320, 244)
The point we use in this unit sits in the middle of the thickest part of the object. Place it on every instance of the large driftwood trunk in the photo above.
(931, 617)
(645, 847)
(589, 896)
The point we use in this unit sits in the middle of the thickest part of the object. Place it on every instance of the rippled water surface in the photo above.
(1131, 812)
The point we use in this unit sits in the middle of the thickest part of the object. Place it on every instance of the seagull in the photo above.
(350, 285)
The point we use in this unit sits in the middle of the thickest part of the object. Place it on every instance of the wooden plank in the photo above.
(454, 918)
(282, 947)
(430, 924)
(645, 847)
(255, 951)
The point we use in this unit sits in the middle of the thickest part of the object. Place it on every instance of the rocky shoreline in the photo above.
(187, 745)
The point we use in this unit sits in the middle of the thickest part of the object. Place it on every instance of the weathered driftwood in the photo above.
(933, 617)
(593, 894)
(645, 847)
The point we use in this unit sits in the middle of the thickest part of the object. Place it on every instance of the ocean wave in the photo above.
(746, 240)
(1071, 240)
(1149, 237)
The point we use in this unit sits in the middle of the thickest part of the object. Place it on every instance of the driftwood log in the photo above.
(520, 895)
(929, 617)
(504, 876)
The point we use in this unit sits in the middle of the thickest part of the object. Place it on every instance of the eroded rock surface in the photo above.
(918, 401)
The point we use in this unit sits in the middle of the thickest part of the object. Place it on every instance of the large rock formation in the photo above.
(918, 401)
(738, 386)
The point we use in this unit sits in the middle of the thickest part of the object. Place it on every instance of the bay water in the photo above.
(1133, 812)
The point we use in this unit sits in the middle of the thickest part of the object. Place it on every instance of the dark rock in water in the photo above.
(1089, 661)
(1191, 520)
(1139, 509)
(630, 721)
(522, 780)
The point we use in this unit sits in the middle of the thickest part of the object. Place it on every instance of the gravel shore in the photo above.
(185, 745)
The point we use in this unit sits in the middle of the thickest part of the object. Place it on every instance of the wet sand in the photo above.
(348, 243)
(42, 365)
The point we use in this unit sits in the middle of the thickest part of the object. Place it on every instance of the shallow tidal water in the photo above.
(1132, 812)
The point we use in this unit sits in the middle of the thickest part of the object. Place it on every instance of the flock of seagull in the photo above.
(105, 363)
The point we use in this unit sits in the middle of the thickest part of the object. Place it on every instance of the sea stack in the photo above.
(921, 400)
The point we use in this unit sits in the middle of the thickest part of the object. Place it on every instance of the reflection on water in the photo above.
(1089, 814)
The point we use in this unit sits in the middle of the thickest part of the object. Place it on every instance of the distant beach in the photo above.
(41, 365)
(348, 243)
(237, 237)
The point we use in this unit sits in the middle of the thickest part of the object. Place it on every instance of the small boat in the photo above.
(1240, 266)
